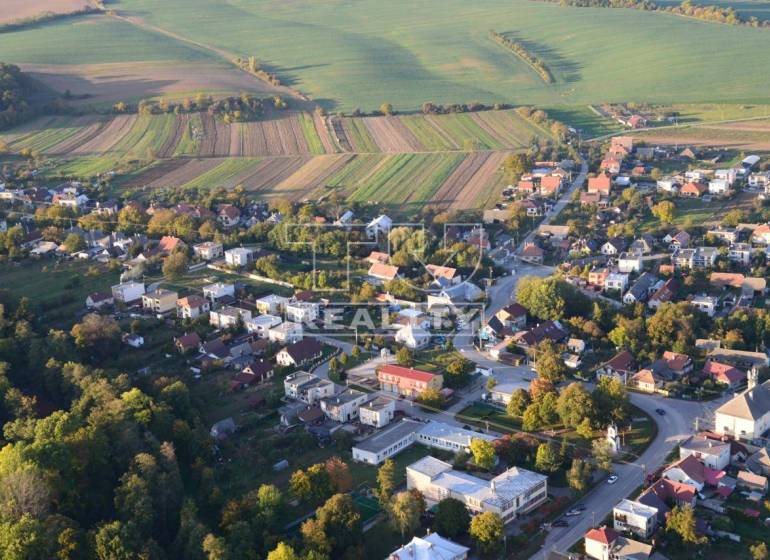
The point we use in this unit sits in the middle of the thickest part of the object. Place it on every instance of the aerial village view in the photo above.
(356, 279)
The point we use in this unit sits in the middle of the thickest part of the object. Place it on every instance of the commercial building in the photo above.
(407, 381)
(510, 494)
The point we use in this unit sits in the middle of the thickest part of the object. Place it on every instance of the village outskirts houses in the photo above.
(192, 306)
(218, 291)
(300, 353)
(307, 388)
(208, 250)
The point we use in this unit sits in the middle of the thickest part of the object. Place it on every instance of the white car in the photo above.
(573, 513)
(612, 480)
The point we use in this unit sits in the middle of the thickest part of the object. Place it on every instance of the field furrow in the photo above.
(448, 192)
(391, 135)
(358, 135)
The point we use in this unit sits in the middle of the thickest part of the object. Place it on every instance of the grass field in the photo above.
(360, 54)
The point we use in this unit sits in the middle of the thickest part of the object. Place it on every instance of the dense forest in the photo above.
(14, 88)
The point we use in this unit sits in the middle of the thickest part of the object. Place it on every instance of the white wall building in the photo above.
(261, 324)
(344, 406)
(128, 291)
(306, 387)
(379, 227)
(214, 292)
(228, 316)
(302, 311)
(238, 256)
(747, 416)
(629, 262)
(378, 412)
(286, 333)
(714, 454)
(635, 517)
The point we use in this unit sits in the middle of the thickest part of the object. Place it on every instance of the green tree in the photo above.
(386, 109)
(74, 243)
(175, 265)
(578, 475)
(98, 334)
(487, 530)
(404, 357)
(386, 481)
(531, 420)
(611, 400)
(547, 458)
(341, 522)
(575, 405)
(404, 513)
(483, 453)
(519, 402)
(602, 454)
(681, 521)
(547, 409)
(548, 362)
(452, 518)
(300, 485)
(665, 211)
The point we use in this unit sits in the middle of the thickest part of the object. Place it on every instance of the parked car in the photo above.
(573, 513)
(612, 479)
(660, 411)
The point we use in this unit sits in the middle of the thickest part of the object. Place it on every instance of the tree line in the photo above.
(15, 87)
(521, 51)
(240, 108)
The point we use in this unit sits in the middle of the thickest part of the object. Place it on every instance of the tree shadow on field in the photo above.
(568, 70)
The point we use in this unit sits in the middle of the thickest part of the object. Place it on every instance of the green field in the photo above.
(359, 54)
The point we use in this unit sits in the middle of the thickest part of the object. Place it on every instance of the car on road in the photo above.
(660, 411)
(612, 479)
(573, 513)
(560, 523)
(580, 507)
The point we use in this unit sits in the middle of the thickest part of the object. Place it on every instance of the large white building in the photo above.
(378, 412)
(430, 547)
(510, 494)
(228, 316)
(746, 416)
(261, 324)
(635, 517)
(344, 406)
(128, 291)
(239, 256)
(712, 453)
(306, 387)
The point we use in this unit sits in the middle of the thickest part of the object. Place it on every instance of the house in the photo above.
(238, 256)
(222, 429)
(610, 165)
(208, 250)
(664, 491)
(621, 367)
(306, 387)
(378, 412)
(740, 253)
(345, 219)
(665, 294)
(302, 311)
(532, 253)
(629, 262)
(255, 372)
(550, 185)
(133, 340)
(648, 380)
(159, 300)
(677, 240)
(752, 482)
(413, 337)
(192, 307)
(719, 187)
(168, 244)
(554, 232)
(229, 216)
(513, 316)
(229, 316)
(601, 184)
(746, 416)
(383, 272)
(261, 324)
(272, 304)
(220, 290)
(713, 454)
(679, 364)
(511, 494)
(613, 247)
(724, 374)
(379, 226)
(693, 190)
(606, 544)
(726, 280)
(551, 330)
(761, 235)
(443, 275)
(635, 517)
(641, 289)
(128, 292)
(759, 180)
(286, 333)
(407, 381)
(590, 198)
(300, 353)
(526, 186)
(430, 547)
(376, 257)
(689, 471)
(187, 342)
(739, 358)
(343, 407)
(729, 235)
(759, 462)
(617, 281)
(98, 300)
(576, 345)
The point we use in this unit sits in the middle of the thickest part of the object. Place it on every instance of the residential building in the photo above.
(621, 366)
(551, 330)
(413, 337)
(629, 262)
(752, 482)
(383, 272)
(761, 235)
(128, 292)
(217, 291)
(271, 304)
(598, 276)
(302, 311)
(635, 517)
(168, 244)
(238, 256)
(740, 253)
(759, 462)
(693, 190)
(261, 324)
(746, 416)
(228, 316)
(713, 454)
(739, 358)
(430, 547)
(377, 257)
(665, 294)
(601, 184)
(606, 544)
(677, 240)
(159, 300)
(613, 247)
(678, 364)
(208, 250)
(192, 307)
(443, 276)
(98, 300)
(648, 381)
(513, 316)
(254, 372)
(407, 381)
(719, 187)
(759, 180)
(300, 353)
(379, 227)
(641, 289)
(344, 406)
(229, 216)
(643, 245)
(511, 494)
(378, 412)
(532, 253)
(724, 374)
(286, 332)
(726, 234)
(306, 387)
(617, 281)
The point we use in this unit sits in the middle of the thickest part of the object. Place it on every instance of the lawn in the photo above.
(360, 54)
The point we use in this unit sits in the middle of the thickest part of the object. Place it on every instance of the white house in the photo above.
(128, 291)
(746, 416)
(286, 333)
(740, 253)
(413, 337)
(345, 219)
(635, 517)
(616, 281)
(629, 262)
(228, 316)
(705, 304)
(208, 251)
(217, 291)
(719, 186)
(513, 493)
(261, 324)
(612, 247)
(729, 175)
(378, 412)
(238, 256)
(668, 184)
(302, 311)
(430, 547)
(712, 453)
(379, 226)
(344, 406)
(306, 387)
(272, 304)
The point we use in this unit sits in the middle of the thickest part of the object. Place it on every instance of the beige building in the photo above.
(160, 300)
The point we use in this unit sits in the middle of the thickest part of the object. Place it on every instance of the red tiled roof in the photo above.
(604, 535)
(693, 468)
(723, 373)
(622, 361)
(676, 361)
(383, 270)
(408, 373)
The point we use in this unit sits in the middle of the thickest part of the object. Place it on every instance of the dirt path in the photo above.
(301, 101)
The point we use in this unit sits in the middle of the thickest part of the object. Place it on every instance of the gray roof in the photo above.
(750, 405)
(390, 435)
(704, 445)
(643, 285)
